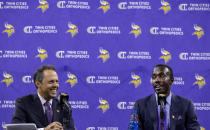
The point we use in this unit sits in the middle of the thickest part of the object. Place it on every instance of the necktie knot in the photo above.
(47, 104)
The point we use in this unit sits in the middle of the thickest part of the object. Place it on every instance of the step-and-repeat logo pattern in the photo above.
(104, 52)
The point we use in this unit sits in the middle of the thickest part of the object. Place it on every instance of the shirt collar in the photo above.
(43, 100)
(168, 99)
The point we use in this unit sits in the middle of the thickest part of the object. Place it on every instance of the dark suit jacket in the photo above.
(182, 114)
(28, 109)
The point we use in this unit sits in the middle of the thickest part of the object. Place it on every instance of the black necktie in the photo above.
(162, 114)
(162, 117)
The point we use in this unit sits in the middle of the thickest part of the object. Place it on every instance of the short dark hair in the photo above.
(38, 75)
(170, 69)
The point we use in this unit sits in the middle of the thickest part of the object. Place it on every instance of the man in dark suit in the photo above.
(165, 110)
(43, 108)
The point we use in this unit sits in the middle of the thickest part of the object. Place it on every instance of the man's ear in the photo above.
(172, 80)
(37, 83)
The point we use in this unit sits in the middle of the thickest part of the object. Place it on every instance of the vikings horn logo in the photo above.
(8, 79)
(104, 105)
(105, 6)
(72, 79)
(42, 54)
(198, 31)
(9, 29)
(136, 30)
(136, 80)
(72, 29)
(43, 5)
(166, 55)
(165, 6)
(202, 128)
(104, 54)
(200, 81)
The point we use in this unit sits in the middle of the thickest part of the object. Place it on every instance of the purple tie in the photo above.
(48, 112)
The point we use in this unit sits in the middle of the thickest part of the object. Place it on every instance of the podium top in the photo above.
(19, 126)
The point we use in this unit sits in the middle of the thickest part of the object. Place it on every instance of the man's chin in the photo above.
(162, 94)
(53, 95)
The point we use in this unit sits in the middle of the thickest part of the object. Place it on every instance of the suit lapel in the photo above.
(174, 110)
(153, 111)
(38, 110)
(56, 110)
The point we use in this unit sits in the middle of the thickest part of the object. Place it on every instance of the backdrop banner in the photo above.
(104, 52)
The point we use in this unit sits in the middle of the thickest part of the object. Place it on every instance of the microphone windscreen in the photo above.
(62, 97)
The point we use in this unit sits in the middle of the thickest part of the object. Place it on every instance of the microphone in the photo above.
(63, 99)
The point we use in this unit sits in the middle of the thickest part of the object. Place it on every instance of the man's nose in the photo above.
(55, 84)
(157, 79)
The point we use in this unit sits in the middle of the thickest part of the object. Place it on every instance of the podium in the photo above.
(19, 126)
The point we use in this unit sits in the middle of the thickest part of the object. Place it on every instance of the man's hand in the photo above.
(54, 126)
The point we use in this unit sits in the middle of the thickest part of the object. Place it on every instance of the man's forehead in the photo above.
(49, 73)
(160, 69)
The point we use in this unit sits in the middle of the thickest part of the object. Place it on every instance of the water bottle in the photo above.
(133, 125)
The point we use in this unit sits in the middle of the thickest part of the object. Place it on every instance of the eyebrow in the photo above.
(52, 80)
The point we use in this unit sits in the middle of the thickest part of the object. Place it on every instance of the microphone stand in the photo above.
(66, 116)
(63, 99)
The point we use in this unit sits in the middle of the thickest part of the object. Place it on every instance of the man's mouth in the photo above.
(53, 90)
(159, 89)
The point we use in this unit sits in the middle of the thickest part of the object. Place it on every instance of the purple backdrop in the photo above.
(104, 52)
